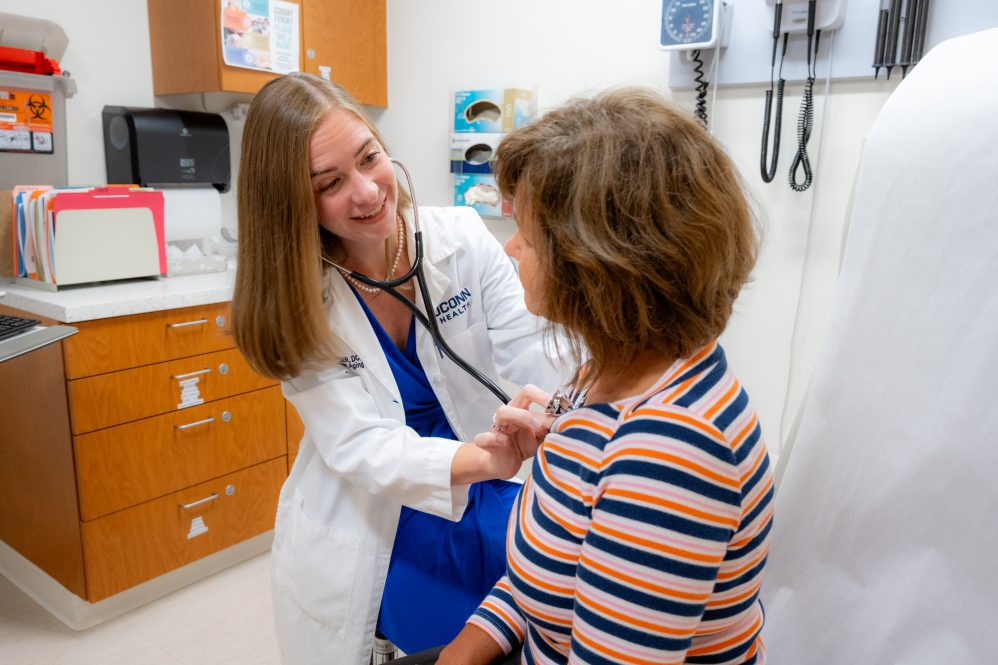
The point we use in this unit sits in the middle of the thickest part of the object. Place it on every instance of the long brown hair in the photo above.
(278, 315)
(643, 233)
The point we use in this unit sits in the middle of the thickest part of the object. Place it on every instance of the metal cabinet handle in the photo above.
(200, 422)
(190, 374)
(185, 506)
(187, 323)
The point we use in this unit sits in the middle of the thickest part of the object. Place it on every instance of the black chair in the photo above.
(429, 657)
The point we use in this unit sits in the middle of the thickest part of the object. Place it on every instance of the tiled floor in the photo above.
(222, 620)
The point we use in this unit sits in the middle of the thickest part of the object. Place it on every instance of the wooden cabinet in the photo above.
(344, 38)
(144, 443)
(348, 37)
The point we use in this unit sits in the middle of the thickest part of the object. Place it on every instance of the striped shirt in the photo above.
(642, 532)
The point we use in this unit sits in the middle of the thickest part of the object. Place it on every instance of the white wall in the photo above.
(568, 47)
(108, 57)
(781, 317)
(561, 47)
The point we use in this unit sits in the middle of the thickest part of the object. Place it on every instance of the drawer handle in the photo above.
(200, 422)
(186, 506)
(187, 323)
(178, 377)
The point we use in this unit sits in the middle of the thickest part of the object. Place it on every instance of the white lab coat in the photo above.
(358, 463)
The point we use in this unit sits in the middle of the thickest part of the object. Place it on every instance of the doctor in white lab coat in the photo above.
(299, 320)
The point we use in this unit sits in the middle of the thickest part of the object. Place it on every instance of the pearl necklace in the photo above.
(391, 271)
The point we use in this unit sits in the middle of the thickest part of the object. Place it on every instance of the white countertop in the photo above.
(85, 303)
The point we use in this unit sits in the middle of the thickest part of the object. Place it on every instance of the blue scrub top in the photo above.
(440, 570)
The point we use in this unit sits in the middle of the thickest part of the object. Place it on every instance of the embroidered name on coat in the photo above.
(454, 307)
(352, 362)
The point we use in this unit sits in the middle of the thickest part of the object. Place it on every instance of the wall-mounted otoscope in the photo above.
(769, 172)
(900, 35)
(810, 18)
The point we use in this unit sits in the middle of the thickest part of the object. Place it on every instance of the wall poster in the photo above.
(261, 34)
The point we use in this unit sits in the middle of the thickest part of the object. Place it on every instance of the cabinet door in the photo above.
(38, 513)
(186, 41)
(348, 37)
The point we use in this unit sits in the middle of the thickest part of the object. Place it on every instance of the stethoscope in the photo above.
(429, 322)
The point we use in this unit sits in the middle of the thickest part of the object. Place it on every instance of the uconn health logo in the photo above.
(454, 307)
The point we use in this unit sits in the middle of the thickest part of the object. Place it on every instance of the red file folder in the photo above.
(103, 198)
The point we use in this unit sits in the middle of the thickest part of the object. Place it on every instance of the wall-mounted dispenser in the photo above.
(185, 154)
(480, 119)
(164, 146)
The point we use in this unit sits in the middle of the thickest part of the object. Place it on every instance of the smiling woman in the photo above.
(392, 497)
(355, 188)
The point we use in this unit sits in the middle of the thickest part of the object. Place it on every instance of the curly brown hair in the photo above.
(641, 226)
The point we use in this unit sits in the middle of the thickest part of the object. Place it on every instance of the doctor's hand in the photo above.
(502, 459)
(499, 453)
(514, 437)
(528, 396)
(520, 428)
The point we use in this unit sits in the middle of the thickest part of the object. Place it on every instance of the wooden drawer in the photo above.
(134, 545)
(108, 345)
(125, 465)
(121, 397)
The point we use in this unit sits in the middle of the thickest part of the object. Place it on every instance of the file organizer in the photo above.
(65, 237)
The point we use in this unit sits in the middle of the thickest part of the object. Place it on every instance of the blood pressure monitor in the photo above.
(690, 24)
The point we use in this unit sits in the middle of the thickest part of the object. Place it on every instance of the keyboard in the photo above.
(14, 325)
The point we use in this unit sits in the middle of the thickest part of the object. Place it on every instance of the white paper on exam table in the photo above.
(884, 539)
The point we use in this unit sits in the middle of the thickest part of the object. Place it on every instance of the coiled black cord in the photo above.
(805, 121)
(769, 173)
(702, 83)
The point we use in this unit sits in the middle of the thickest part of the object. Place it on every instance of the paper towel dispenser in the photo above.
(156, 147)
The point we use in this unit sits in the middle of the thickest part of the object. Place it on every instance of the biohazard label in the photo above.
(25, 121)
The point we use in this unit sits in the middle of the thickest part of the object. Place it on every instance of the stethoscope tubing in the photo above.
(427, 320)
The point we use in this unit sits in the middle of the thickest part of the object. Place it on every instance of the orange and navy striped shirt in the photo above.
(642, 532)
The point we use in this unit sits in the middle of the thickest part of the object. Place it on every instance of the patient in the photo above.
(642, 532)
